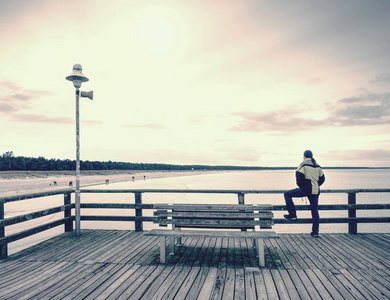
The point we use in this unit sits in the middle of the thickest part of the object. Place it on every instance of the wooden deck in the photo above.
(110, 264)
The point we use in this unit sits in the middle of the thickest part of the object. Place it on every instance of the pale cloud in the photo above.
(280, 120)
(369, 109)
(241, 154)
(366, 110)
(16, 104)
(146, 126)
(382, 79)
(382, 156)
(14, 98)
(33, 118)
(5, 108)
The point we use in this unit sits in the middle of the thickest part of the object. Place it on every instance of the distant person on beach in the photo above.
(310, 177)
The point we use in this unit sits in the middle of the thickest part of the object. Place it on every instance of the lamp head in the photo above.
(77, 76)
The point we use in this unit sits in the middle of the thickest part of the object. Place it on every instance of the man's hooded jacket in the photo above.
(309, 177)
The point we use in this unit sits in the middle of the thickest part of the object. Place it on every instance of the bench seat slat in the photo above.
(219, 227)
(210, 222)
(225, 215)
(264, 234)
(208, 207)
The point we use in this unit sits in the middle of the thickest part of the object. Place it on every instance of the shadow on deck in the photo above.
(111, 264)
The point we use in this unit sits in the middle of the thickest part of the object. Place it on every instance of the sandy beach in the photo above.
(25, 182)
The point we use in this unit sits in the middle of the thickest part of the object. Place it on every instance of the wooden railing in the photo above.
(138, 206)
(67, 220)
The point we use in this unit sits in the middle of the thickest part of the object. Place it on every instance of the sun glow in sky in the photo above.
(252, 83)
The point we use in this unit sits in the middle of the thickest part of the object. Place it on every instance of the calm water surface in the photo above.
(265, 180)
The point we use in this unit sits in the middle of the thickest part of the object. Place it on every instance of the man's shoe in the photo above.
(315, 234)
(291, 218)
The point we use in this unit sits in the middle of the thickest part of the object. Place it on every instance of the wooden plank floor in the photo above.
(110, 264)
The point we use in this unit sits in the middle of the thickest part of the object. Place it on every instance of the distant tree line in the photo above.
(10, 162)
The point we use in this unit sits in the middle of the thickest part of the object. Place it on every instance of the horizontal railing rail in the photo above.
(34, 195)
(139, 207)
(201, 191)
(34, 215)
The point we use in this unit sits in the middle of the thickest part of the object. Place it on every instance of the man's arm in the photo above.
(300, 177)
(321, 180)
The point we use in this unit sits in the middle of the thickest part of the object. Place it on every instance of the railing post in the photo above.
(68, 212)
(352, 224)
(138, 212)
(3, 245)
(241, 198)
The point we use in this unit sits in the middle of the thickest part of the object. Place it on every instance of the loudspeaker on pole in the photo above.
(87, 94)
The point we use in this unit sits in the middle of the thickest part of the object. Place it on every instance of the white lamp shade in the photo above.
(77, 74)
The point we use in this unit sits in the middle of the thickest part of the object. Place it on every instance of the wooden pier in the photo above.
(112, 264)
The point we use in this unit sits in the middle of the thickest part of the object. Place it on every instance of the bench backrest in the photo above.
(240, 216)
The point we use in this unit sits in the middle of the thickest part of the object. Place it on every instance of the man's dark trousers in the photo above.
(313, 199)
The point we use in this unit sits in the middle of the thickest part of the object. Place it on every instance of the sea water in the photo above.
(280, 180)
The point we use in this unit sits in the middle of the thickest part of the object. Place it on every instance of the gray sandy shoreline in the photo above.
(25, 182)
(60, 174)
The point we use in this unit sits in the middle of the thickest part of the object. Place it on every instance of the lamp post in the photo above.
(77, 77)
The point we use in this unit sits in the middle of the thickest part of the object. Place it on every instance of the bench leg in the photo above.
(162, 249)
(260, 252)
(172, 242)
(179, 238)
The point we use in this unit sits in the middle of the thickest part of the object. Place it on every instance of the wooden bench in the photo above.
(238, 218)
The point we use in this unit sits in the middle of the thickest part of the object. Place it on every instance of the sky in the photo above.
(242, 83)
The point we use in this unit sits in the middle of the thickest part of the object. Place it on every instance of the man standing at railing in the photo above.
(310, 177)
